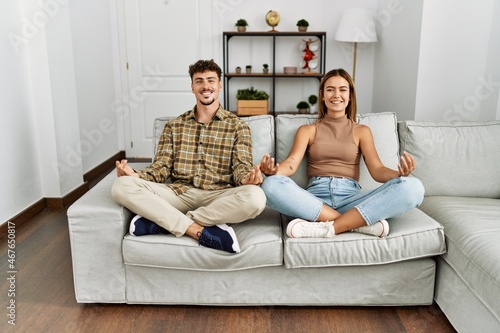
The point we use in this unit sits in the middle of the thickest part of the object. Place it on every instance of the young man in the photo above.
(207, 154)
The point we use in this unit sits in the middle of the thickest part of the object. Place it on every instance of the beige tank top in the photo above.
(334, 151)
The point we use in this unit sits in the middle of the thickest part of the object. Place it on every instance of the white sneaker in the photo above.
(299, 228)
(379, 229)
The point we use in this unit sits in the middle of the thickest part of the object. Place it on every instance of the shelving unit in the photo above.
(273, 74)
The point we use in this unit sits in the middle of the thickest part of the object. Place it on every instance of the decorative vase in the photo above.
(302, 29)
(241, 28)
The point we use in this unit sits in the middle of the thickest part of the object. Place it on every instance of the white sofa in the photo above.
(459, 164)
(109, 265)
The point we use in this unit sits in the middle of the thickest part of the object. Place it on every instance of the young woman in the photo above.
(333, 199)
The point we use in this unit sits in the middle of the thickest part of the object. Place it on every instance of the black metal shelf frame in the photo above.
(227, 35)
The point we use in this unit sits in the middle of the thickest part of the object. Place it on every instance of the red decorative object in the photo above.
(309, 62)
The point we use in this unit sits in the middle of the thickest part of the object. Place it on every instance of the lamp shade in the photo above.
(356, 25)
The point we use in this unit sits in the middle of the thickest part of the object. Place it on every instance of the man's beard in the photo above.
(210, 102)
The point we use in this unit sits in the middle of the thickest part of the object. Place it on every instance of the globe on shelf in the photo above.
(272, 19)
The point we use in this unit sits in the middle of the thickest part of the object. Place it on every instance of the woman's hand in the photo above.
(407, 165)
(267, 165)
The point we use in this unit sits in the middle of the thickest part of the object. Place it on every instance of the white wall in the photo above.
(62, 170)
(20, 177)
(95, 80)
(438, 60)
(456, 59)
(491, 105)
(397, 57)
(58, 89)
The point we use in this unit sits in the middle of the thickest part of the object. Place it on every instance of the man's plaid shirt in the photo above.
(210, 156)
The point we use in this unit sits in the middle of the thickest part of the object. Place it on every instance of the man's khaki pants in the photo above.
(158, 203)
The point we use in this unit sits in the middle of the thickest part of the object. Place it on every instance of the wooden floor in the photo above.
(45, 302)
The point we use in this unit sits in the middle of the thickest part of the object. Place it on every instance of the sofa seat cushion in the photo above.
(260, 241)
(472, 228)
(412, 235)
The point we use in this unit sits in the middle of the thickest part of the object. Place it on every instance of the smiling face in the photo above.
(336, 96)
(206, 87)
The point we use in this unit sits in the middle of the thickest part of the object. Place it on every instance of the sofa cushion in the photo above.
(260, 242)
(385, 135)
(262, 128)
(384, 129)
(286, 127)
(472, 236)
(412, 235)
(454, 158)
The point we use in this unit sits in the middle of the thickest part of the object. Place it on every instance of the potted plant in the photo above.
(303, 107)
(265, 68)
(248, 69)
(313, 99)
(238, 70)
(302, 25)
(251, 102)
(241, 25)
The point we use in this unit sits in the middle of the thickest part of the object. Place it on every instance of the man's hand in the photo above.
(267, 165)
(123, 169)
(254, 177)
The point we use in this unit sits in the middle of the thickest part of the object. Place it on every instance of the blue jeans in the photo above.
(392, 198)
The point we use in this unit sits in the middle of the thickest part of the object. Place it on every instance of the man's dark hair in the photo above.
(202, 66)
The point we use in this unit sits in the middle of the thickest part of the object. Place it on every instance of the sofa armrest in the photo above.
(97, 225)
